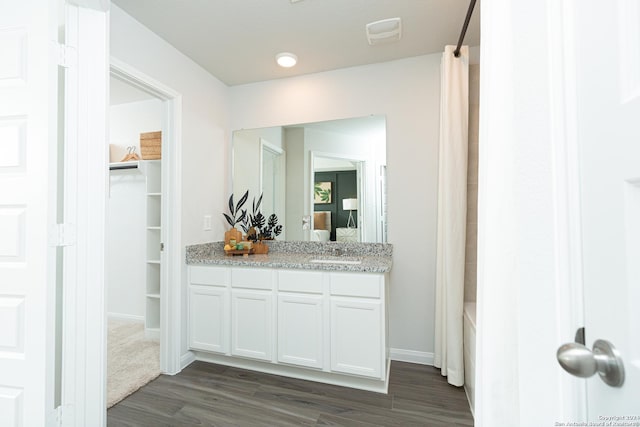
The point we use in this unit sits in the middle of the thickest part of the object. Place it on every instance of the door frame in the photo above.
(83, 381)
(529, 243)
(361, 183)
(83, 377)
(282, 160)
(171, 213)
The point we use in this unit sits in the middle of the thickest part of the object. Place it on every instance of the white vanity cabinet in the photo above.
(318, 325)
(358, 324)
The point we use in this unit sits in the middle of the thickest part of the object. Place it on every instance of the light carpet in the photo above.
(132, 360)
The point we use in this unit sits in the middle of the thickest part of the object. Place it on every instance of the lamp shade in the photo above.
(350, 204)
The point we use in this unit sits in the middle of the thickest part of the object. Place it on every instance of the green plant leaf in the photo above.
(259, 220)
(229, 220)
(273, 220)
(231, 205)
(242, 201)
(243, 215)
(325, 195)
(259, 202)
(245, 222)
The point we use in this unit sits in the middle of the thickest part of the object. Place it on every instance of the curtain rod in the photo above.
(472, 4)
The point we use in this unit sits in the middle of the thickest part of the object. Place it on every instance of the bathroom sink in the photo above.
(336, 260)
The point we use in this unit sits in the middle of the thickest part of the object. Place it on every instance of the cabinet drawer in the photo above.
(356, 285)
(252, 278)
(300, 281)
(213, 276)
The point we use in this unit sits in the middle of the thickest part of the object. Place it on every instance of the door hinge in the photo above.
(62, 235)
(66, 56)
(161, 247)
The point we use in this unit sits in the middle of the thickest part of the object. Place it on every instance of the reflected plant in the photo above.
(258, 227)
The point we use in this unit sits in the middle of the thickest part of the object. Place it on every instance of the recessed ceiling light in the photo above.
(286, 59)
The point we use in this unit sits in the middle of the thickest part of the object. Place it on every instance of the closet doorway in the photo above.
(133, 261)
(142, 247)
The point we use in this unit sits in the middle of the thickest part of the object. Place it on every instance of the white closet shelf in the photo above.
(153, 172)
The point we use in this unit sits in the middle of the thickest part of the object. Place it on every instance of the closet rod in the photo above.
(472, 4)
(120, 166)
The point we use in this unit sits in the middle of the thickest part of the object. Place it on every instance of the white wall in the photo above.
(205, 128)
(246, 164)
(126, 219)
(128, 121)
(295, 185)
(246, 159)
(408, 92)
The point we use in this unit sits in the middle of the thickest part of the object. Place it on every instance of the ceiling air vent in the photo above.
(387, 30)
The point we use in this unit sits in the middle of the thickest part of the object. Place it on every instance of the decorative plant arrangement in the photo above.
(256, 226)
(237, 215)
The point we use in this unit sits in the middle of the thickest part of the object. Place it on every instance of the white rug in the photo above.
(132, 360)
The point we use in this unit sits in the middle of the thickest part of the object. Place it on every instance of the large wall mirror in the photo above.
(326, 181)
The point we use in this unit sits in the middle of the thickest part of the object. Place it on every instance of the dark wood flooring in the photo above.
(205, 394)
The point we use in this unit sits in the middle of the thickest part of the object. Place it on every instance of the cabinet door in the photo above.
(300, 330)
(209, 318)
(356, 337)
(251, 324)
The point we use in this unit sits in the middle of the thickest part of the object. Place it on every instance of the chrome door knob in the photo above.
(578, 360)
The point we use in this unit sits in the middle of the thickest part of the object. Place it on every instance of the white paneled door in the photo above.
(27, 132)
(607, 38)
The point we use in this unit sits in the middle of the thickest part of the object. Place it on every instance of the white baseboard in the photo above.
(344, 380)
(123, 316)
(411, 356)
(187, 359)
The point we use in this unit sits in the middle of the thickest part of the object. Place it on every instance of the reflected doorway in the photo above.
(273, 163)
(338, 198)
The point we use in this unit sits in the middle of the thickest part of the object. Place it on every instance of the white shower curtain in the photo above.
(452, 213)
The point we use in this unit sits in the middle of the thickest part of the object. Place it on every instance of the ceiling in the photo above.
(237, 40)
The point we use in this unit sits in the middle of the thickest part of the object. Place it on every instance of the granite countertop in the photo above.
(373, 257)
